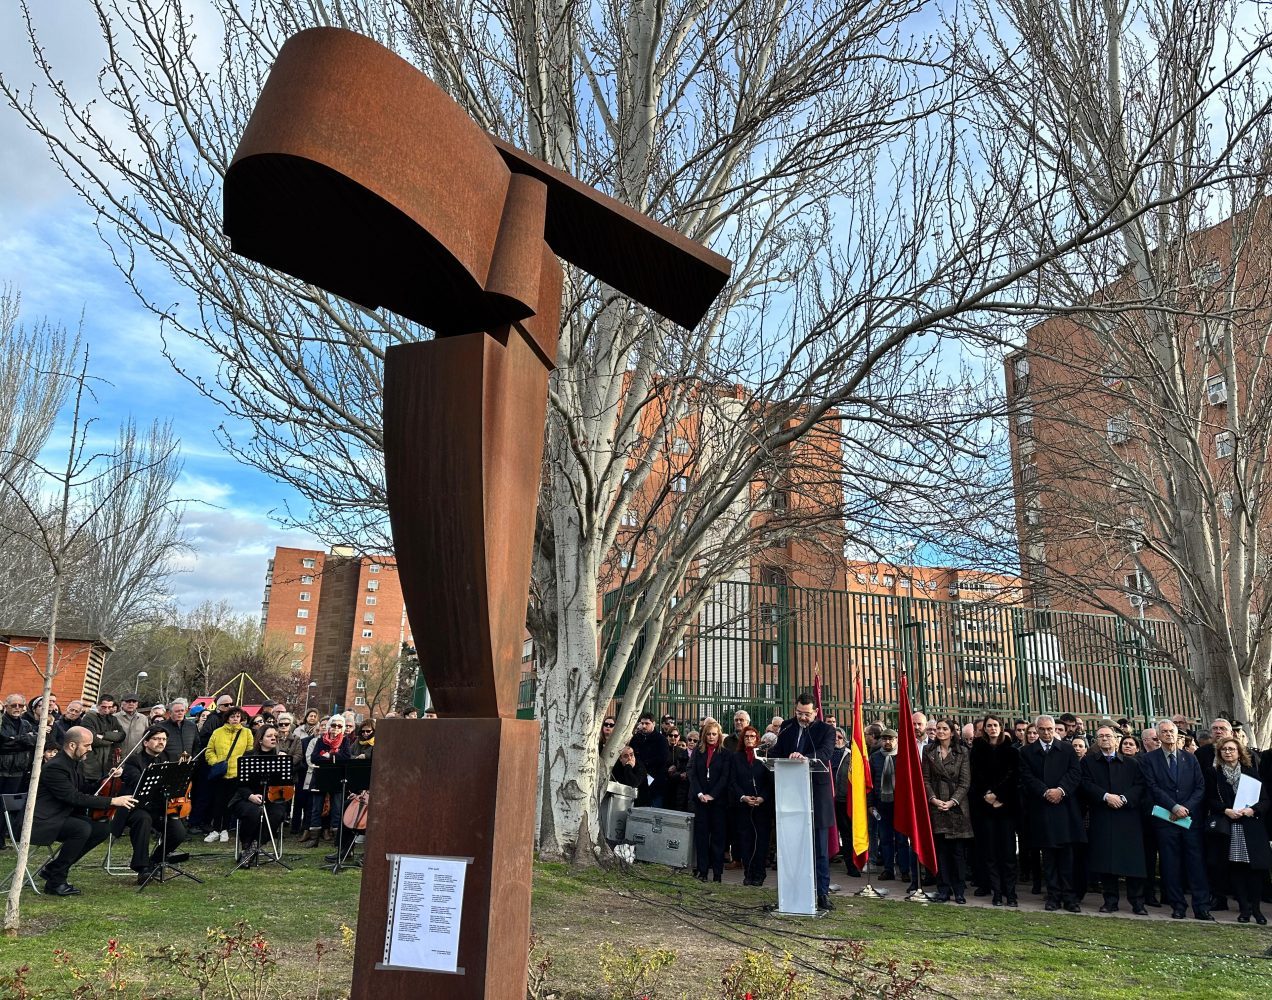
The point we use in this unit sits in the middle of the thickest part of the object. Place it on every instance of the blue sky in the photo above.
(51, 254)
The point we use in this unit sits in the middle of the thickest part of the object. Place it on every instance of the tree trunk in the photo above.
(13, 904)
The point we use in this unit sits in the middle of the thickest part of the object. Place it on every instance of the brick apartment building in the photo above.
(80, 659)
(345, 620)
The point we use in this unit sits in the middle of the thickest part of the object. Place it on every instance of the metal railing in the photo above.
(756, 646)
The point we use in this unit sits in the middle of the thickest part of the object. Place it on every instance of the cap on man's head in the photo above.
(888, 734)
(130, 697)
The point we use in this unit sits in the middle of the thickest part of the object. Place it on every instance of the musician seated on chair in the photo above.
(60, 811)
(146, 818)
(255, 798)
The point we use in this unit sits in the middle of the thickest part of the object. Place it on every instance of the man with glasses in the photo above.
(132, 721)
(1114, 788)
(804, 738)
(17, 751)
(107, 735)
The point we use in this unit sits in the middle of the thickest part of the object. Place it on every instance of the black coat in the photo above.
(183, 736)
(713, 781)
(995, 768)
(750, 779)
(62, 794)
(1115, 836)
(819, 743)
(654, 753)
(17, 746)
(1051, 824)
(677, 793)
(1220, 796)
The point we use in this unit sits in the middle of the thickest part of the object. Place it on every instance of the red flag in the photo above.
(817, 693)
(910, 814)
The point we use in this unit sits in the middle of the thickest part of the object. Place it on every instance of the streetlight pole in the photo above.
(308, 692)
(141, 676)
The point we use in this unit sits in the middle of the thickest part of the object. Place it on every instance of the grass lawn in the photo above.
(987, 953)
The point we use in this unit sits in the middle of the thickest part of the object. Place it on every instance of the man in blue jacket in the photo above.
(1176, 784)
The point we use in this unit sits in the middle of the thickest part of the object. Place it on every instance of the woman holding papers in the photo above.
(1236, 830)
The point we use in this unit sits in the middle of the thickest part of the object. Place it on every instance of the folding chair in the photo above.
(15, 803)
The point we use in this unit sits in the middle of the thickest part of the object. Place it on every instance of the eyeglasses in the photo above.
(607, 725)
(368, 732)
(692, 739)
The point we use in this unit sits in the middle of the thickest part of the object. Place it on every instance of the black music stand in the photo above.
(342, 777)
(165, 780)
(265, 770)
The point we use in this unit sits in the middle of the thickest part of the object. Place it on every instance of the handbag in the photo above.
(220, 768)
(1220, 826)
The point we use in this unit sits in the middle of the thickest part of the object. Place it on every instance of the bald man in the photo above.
(60, 806)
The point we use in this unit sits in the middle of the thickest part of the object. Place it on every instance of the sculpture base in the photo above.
(433, 792)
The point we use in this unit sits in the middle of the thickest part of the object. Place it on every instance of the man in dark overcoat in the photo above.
(1049, 779)
(1114, 790)
(805, 738)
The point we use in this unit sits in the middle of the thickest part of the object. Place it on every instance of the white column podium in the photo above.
(796, 864)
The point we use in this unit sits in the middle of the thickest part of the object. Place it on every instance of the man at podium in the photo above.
(803, 737)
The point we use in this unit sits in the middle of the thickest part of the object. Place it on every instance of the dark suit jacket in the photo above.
(713, 781)
(61, 795)
(1052, 824)
(819, 743)
(1188, 791)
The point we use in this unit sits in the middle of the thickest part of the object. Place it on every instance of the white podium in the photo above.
(796, 864)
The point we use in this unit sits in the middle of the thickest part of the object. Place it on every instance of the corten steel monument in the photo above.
(356, 173)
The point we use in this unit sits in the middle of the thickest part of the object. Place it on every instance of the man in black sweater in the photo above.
(59, 811)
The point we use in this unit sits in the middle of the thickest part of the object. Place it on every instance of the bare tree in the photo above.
(377, 673)
(91, 501)
(1145, 408)
(816, 146)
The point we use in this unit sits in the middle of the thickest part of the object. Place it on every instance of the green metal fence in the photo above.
(756, 646)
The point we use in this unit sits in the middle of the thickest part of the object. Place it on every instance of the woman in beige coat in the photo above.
(947, 776)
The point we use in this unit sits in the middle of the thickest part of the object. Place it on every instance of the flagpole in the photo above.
(917, 895)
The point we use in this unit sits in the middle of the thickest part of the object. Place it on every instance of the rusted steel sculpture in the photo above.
(357, 174)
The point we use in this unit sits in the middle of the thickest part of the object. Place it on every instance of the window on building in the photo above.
(1223, 444)
(298, 647)
(373, 568)
(680, 446)
(373, 585)
(309, 563)
(1029, 474)
(1021, 367)
(1209, 274)
(1024, 420)
(1139, 587)
(367, 633)
(306, 581)
(1216, 390)
(625, 559)
(1119, 428)
(1225, 503)
(780, 500)
(1211, 339)
(302, 629)
(370, 599)
(302, 612)
(368, 617)
(360, 684)
(303, 596)
(364, 650)
(630, 518)
(359, 700)
(680, 484)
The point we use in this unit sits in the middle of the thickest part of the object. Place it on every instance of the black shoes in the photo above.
(824, 903)
(1203, 915)
(176, 857)
(1012, 902)
(1073, 908)
(700, 876)
(1178, 913)
(1051, 906)
(61, 889)
(1138, 910)
(998, 899)
(982, 892)
(144, 874)
(1109, 908)
(1260, 919)
(887, 875)
(1153, 901)
(716, 877)
(960, 899)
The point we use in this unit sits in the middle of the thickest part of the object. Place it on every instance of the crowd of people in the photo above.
(96, 757)
(1173, 814)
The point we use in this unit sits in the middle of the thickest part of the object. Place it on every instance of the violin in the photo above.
(109, 787)
(355, 814)
(180, 806)
(280, 793)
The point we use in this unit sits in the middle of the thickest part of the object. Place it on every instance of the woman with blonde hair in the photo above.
(709, 776)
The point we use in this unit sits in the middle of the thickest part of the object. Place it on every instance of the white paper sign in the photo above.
(426, 903)
(1248, 791)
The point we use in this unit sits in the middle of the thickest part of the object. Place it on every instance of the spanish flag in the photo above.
(859, 770)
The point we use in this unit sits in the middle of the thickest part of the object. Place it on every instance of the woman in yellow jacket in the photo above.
(225, 746)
